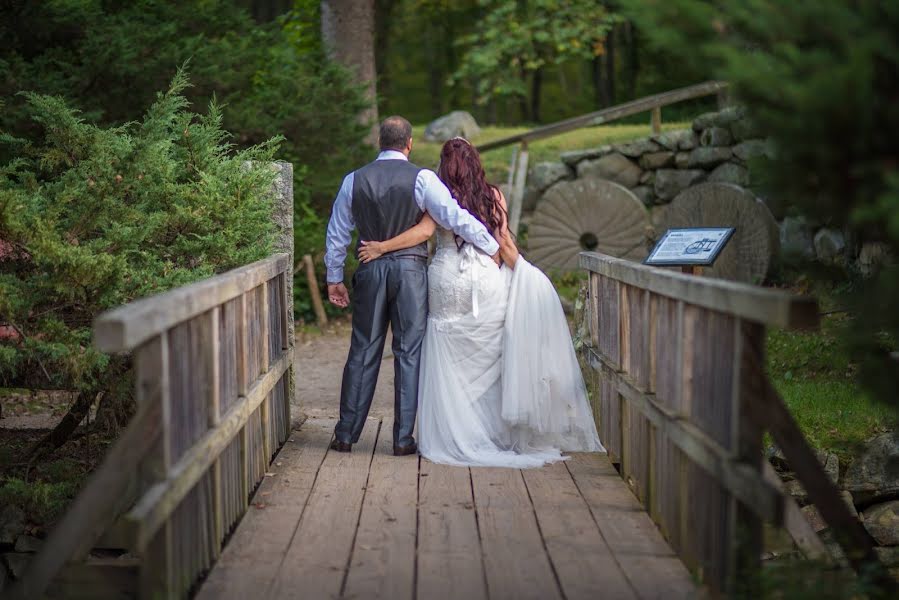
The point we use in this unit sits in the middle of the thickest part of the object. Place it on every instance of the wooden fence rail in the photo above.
(212, 369)
(518, 168)
(682, 400)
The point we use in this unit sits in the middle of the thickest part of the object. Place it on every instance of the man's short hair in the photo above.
(395, 133)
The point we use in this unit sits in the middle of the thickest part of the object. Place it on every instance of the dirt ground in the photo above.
(319, 368)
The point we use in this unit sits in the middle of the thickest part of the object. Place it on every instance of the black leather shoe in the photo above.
(341, 446)
(405, 450)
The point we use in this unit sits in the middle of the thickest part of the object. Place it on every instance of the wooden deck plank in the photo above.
(516, 562)
(450, 563)
(316, 561)
(251, 557)
(645, 557)
(584, 563)
(383, 560)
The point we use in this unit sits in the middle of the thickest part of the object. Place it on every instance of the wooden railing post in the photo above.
(265, 409)
(518, 184)
(749, 340)
(151, 361)
(656, 120)
(214, 357)
(242, 386)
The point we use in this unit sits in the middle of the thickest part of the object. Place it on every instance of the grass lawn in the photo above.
(817, 381)
(496, 162)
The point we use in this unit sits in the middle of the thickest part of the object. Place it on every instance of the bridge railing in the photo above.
(213, 380)
(682, 400)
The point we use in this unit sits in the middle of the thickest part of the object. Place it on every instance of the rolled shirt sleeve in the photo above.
(340, 231)
(434, 197)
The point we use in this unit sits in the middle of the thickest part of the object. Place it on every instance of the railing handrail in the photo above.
(742, 300)
(99, 503)
(611, 113)
(126, 327)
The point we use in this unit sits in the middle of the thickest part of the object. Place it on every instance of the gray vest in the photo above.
(384, 202)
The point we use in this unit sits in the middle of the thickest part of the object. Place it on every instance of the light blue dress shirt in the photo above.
(430, 195)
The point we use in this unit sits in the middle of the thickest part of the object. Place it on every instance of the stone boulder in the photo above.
(872, 256)
(671, 182)
(796, 242)
(715, 136)
(614, 167)
(744, 129)
(753, 149)
(680, 139)
(875, 474)
(17, 563)
(656, 160)
(708, 156)
(882, 522)
(29, 544)
(12, 523)
(730, 173)
(722, 118)
(637, 148)
(644, 193)
(456, 123)
(544, 174)
(681, 160)
(573, 157)
(830, 245)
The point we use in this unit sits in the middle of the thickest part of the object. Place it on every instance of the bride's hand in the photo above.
(370, 251)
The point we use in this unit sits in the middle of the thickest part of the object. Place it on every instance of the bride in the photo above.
(500, 383)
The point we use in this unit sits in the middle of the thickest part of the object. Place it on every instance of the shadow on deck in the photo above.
(370, 525)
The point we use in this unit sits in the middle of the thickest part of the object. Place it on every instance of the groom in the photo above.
(381, 200)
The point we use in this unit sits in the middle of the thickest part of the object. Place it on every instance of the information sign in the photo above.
(692, 246)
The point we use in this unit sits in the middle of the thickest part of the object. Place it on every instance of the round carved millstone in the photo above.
(587, 214)
(747, 255)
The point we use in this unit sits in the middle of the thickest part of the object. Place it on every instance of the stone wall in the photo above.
(719, 147)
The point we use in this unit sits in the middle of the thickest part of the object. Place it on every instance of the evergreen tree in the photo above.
(93, 217)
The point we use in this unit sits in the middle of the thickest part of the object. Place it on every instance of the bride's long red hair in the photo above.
(462, 172)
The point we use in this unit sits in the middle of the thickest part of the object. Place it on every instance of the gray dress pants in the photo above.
(394, 290)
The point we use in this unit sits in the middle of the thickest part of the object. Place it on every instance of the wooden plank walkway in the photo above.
(370, 525)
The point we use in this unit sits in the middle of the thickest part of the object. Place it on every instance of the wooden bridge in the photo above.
(209, 492)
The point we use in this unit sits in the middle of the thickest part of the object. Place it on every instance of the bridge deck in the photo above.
(370, 525)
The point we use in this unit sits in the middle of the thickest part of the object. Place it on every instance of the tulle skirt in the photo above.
(500, 383)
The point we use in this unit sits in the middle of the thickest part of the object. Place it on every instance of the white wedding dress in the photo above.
(500, 383)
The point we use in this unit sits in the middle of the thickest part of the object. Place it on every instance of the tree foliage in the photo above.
(270, 79)
(93, 217)
(514, 39)
(821, 78)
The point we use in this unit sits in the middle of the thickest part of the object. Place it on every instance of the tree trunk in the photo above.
(383, 31)
(609, 56)
(523, 99)
(348, 34)
(60, 434)
(536, 90)
(633, 60)
(600, 92)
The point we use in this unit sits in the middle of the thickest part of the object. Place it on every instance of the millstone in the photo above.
(587, 214)
(748, 254)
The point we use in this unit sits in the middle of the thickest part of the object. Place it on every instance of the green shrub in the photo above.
(109, 59)
(41, 501)
(94, 217)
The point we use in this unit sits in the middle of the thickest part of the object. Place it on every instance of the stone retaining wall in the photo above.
(719, 147)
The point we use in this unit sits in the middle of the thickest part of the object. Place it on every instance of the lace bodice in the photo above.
(460, 281)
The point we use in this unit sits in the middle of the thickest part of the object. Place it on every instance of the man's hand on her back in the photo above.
(497, 259)
(338, 295)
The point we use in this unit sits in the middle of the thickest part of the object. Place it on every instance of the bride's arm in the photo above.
(413, 236)
(507, 248)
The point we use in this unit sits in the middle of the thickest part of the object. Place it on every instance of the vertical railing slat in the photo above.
(151, 365)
